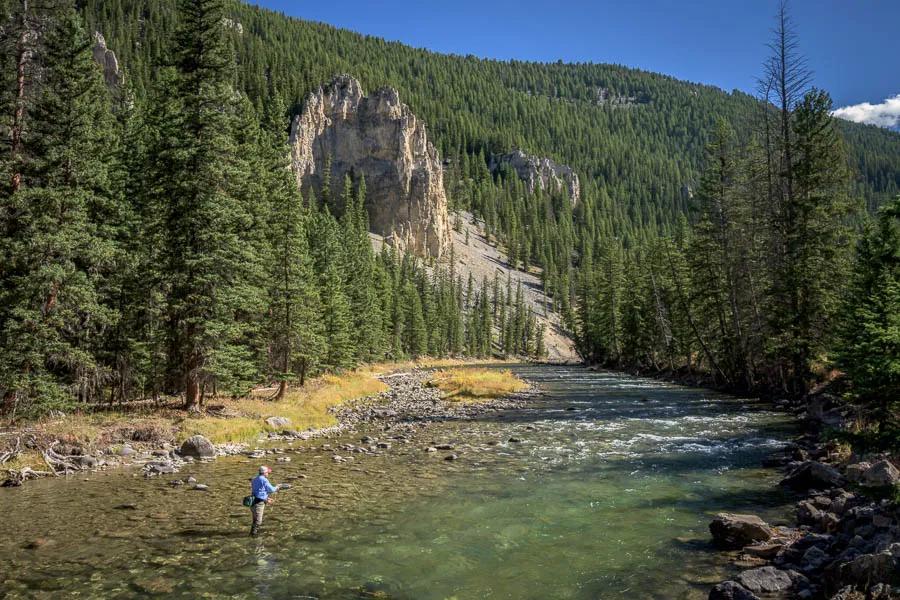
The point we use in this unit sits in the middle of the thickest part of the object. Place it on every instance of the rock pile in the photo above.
(846, 546)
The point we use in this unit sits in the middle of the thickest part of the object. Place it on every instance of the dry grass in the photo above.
(476, 385)
(306, 407)
(28, 459)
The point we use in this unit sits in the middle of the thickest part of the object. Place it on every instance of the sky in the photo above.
(853, 46)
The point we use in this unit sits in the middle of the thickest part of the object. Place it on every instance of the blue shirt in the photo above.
(261, 488)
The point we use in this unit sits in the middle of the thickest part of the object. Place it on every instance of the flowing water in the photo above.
(607, 494)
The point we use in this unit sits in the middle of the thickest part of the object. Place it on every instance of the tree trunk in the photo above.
(282, 387)
(192, 391)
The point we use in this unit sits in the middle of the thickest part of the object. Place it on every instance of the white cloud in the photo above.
(885, 114)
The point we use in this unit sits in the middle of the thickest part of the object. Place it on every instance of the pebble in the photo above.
(451, 457)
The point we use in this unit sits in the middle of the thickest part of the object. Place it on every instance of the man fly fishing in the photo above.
(260, 491)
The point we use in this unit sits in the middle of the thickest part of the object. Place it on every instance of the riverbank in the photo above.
(161, 438)
(845, 544)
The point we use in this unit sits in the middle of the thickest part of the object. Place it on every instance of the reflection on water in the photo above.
(606, 494)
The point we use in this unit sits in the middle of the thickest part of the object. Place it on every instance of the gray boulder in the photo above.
(278, 422)
(813, 474)
(855, 471)
(731, 590)
(198, 446)
(734, 531)
(766, 580)
(881, 474)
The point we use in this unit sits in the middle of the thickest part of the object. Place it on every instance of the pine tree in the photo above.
(294, 327)
(869, 343)
(204, 217)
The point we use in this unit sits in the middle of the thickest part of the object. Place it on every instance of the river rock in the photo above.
(883, 567)
(160, 468)
(278, 422)
(201, 487)
(881, 474)
(766, 550)
(87, 462)
(813, 474)
(198, 446)
(736, 531)
(126, 451)
(731, 590)
(765, 580)
(814, 558)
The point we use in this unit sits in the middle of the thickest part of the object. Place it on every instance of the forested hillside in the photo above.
(636, 137)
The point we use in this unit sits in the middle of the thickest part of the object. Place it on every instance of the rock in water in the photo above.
(380, 138)
(198, 447)
(731, 590)
(539, 172)
(765, 580)
(813, 474)
(736, 531)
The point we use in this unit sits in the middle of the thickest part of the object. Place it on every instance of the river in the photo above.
(605, 492)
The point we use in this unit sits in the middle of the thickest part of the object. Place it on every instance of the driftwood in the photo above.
(60, 464)
(9, 455)
(17, 478)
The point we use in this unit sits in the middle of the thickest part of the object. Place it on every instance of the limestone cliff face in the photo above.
(106, 58)
(378, 137)
(540, 172)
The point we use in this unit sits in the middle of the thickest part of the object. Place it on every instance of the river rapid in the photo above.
(601, 487)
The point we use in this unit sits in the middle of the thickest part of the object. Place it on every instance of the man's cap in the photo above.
(264, 469)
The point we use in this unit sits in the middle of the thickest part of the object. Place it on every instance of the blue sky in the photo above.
(853, 46)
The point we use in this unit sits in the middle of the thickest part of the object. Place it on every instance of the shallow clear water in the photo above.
(608, 495)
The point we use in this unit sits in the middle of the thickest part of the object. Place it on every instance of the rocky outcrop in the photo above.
(539, 172)
(107, 60)
(379, 138)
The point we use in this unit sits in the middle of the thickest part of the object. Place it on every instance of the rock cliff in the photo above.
(540, 172)
(377, 137)
(106, 58)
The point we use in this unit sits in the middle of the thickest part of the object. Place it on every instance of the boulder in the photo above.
(814, 558)
(198, 446)
(881, 474)
(765, 580)
(736, 531)
(278, 422)
(868, 569)
(813, 474)
(731, 590)
(855, 471)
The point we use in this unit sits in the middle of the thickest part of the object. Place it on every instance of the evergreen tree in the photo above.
(60, 223)
(869, 344)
